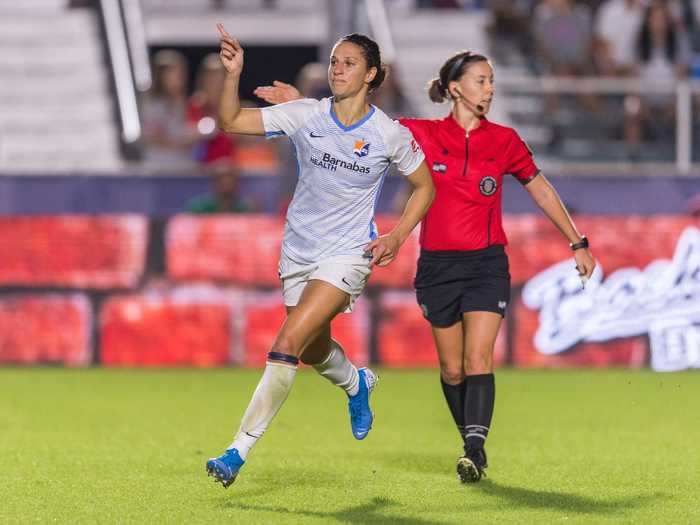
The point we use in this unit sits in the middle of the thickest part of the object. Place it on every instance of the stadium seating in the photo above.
(54, 91)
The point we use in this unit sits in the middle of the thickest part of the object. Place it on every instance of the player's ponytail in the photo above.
(452, 69)
(370, 50)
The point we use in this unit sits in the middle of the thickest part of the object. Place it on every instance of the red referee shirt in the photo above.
(468, 175)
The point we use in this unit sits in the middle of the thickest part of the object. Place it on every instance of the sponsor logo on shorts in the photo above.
(502, 305)
(425, 310)
(346, 282)
(488, 186)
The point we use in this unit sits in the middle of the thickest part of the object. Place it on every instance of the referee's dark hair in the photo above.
(451, 70)
(370, 50)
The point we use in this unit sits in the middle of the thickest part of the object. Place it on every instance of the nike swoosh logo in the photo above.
(346, 282)
(313, 135)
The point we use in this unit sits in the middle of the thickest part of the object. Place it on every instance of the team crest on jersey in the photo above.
(488, 186)
(361, 148)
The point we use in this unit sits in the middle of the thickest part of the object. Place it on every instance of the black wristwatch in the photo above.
(583, 243)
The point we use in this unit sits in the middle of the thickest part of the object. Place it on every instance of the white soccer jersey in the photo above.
(341, 171)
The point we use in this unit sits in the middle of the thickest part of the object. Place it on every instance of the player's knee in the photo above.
(451, 374)
(479, 362)
(285, 345)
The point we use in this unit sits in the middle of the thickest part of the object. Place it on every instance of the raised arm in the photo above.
(232, 118)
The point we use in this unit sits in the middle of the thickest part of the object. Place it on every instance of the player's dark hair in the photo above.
(370, 50)
(451, 70)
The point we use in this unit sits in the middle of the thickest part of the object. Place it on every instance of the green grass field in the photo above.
(124, 446)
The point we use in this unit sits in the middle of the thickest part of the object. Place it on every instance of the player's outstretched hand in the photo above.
(277, 93)
(231, 52)
(383, 250)
(585, 264)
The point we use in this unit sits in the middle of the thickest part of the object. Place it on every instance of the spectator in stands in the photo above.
(663, 52)
(168, 136)
(225, 196)
(616, 30)
(202, 111)
(510, 33)
(562, 32)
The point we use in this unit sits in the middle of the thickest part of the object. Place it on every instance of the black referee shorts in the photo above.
(449, 283)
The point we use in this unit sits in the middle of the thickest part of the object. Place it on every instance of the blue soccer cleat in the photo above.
(361, 415)
(225, 468)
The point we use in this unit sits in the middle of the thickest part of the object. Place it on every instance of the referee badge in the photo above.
(488, 186)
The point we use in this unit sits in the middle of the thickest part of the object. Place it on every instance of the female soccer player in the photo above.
(463, 280)
(344, 147)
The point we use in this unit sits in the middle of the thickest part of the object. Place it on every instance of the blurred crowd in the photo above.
(657, 41)
(654, 39)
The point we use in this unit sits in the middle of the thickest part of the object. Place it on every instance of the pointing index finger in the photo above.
(222, 31)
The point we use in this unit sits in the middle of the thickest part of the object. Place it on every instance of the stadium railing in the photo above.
(682, 90)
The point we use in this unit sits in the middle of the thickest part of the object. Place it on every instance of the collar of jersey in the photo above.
(452, 122)
(356, 124)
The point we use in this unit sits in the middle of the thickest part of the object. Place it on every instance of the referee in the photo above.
(463, 280)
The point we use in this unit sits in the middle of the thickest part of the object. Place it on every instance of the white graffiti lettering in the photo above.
(663, 301)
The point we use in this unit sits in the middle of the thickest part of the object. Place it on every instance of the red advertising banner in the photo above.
(640, 308)
(45, 329)
(264, 314)
(245, 249)
(73, 251)
(242, 249)
(162, 330)
(404, 336)
(401, 272)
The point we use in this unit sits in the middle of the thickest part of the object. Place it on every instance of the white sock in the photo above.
(270, 394)
(339, 370)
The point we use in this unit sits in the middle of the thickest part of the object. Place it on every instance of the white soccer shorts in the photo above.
(348, 273)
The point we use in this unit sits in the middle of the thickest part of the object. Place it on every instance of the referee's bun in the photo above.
(436, 91)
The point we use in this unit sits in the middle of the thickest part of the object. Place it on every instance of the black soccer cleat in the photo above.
(471, 467)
